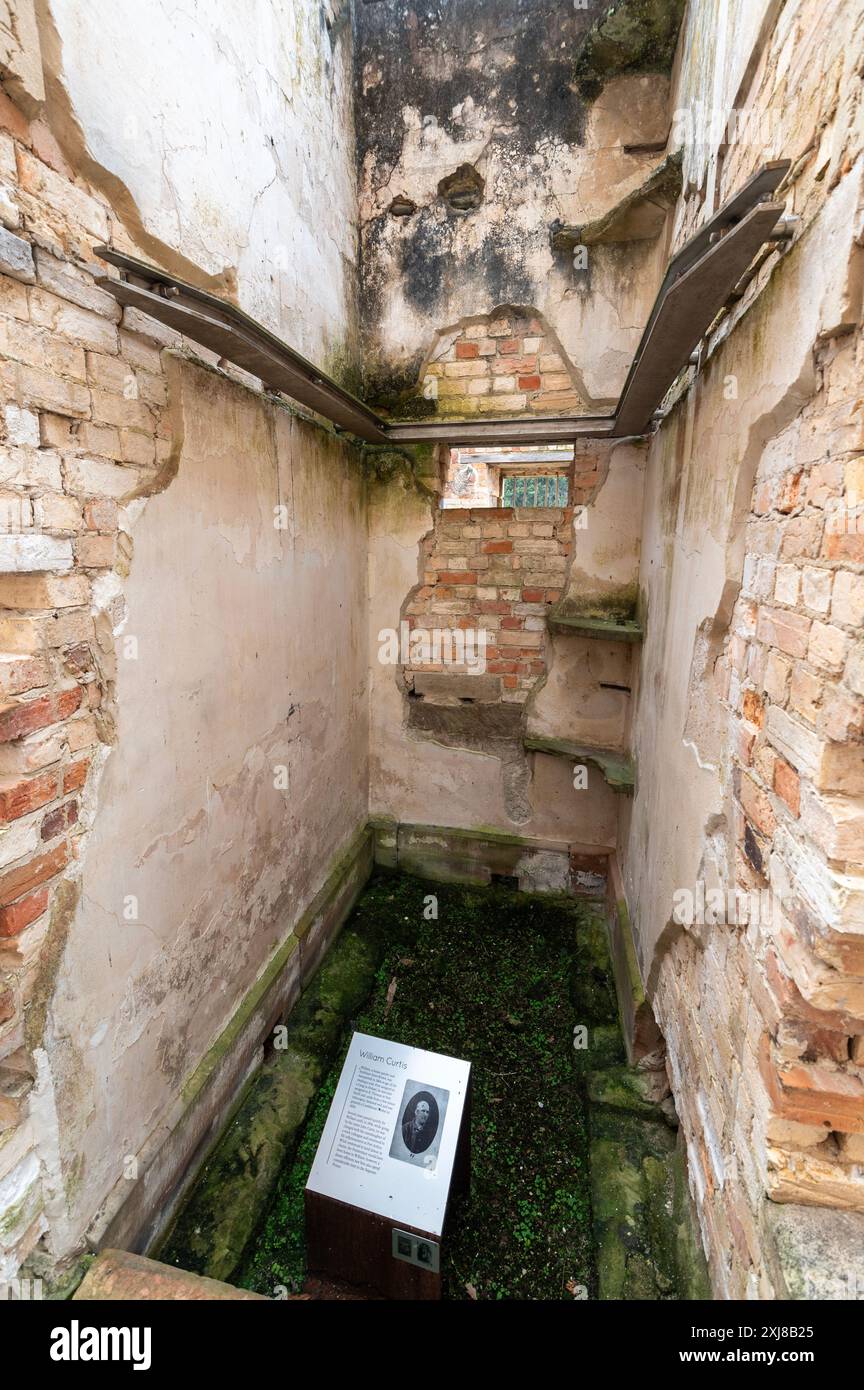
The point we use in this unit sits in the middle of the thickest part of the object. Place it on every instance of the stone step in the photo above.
(600, 629)
(617, 767)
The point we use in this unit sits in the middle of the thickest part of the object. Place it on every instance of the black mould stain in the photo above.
(393, 391)
(432, 267)
(507, 63)
(633, 36)
(427, 261)
(512, 56)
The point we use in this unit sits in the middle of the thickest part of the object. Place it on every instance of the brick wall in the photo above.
(501, 364)
(793, 679)
(495, 570)
(84, 428)
(764, 1021)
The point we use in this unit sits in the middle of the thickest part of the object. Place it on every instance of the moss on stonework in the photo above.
(342, 365)
(396, 392)
(227, 1200)
(502, 979)
(383, 463)
(630, 36)
(618, 605)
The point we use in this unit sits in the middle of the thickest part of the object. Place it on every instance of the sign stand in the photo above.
(396, 1144)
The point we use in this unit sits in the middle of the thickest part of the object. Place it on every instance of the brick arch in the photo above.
(508, 361)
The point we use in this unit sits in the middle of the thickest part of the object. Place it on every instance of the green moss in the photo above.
(229, 1035)
(488, 980)
(630, 36)
(386, 464)
(342, 365)
(229, 1197)
(617, 768)
(502, 979)
(396, 392)
(621, 1088)
(14, 1214)
(616, 605)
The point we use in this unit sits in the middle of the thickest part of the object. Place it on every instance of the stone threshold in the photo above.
(480, 856)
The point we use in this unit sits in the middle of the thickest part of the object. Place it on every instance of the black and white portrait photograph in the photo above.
(419, 1123)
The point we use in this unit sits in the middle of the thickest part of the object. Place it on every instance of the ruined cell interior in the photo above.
(433, 453)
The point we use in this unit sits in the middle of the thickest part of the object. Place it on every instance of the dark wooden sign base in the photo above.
(352, 1246)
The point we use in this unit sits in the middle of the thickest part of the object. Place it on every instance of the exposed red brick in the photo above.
(533, 595)
(744, 746)
(17, 916)
(756, 804)
(100, 514)
(788, 631)
(508, 366)
(75, 775)
(59, 820)
(18, 798)
(497, 547)
(529, 383)
(819, 1095)
(18, 720)
(12, 120)
(29, 876)
(753, 708)
(787, 785)
(789, 492)
(467, 350)
(786, 1000)
(24, 673)
(813, 1043)
(844, 546)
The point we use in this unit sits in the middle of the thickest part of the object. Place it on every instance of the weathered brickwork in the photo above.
(792, 681)
(495, 570)
(85, 430)
(502, 364)
(764, 1019)
(498, 570)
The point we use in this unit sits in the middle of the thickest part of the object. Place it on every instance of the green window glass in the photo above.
(535, 490)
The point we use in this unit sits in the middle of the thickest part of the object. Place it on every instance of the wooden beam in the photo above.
(761, 186)
(685, 313)
(233, 334)
(560, 429)
(697, 282)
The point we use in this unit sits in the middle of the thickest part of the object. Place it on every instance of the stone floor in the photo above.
(577, 1184)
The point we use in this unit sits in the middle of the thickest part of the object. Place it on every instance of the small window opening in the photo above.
(530, 476)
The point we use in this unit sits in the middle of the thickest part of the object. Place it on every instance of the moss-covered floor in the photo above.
(576, 1188)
